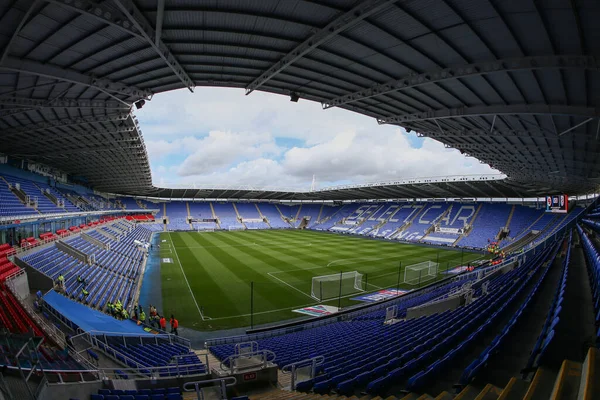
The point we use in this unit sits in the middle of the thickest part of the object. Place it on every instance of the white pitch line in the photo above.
(366, 258)
(186, 280)
(285, 283)
(244, 245)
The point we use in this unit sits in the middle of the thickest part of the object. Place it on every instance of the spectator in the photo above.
(174, 325)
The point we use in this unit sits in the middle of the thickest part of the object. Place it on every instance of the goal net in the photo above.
(421, 272)
(331, 286)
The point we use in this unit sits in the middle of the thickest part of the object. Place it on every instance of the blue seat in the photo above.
(158, 396)
(305, 386)
(97, 397)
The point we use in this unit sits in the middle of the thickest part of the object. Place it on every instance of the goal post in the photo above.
(331, 286)
(421, 272)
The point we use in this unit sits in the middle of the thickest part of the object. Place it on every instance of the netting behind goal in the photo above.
(331, 286)
(421, 272)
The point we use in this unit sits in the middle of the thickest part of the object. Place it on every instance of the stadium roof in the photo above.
(512, 83)
(455, 187)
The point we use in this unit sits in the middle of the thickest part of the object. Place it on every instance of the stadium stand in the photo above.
(250, 216)
(273, 215)
(486, 227)
(227, 216)
(177, 213)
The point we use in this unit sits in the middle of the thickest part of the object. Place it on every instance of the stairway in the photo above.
(239, 217)
(510, 216)
(187, 206)
(212, 210)
(297, 215)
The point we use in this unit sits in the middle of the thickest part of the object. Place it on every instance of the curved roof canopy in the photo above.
(512, 83)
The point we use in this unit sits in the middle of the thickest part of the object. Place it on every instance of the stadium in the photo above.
(117, 286)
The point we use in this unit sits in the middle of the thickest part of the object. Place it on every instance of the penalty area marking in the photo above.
(285, 283)
(186, 281)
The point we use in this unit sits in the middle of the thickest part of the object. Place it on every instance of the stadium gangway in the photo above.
(223, 384)
(310, 363)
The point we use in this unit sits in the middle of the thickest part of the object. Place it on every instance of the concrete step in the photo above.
(515, 389)
(213, 362)
(589, 386)
(468, 393)
(540, 387)
(566, 386)
(489, 392)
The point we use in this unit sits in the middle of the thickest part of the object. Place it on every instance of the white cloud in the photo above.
(220, 149)
(220, 136)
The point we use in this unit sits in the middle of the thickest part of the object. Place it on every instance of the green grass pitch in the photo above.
(212, 272)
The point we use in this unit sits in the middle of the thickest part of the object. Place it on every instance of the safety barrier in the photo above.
(223, 384)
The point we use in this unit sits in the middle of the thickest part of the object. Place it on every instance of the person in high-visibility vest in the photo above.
(163, 323)
(124, 314)
(84, 292)
(174, 325)
(142, 317)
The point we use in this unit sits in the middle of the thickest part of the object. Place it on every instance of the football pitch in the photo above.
(207, 277)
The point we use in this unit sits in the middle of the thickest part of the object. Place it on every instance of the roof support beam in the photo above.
(575, 127)
(343, 22)
(16, 32)
(129, 19)
(160, 11)
(63, 123)
(483, 111)
(54, 72)
(464, 71)
(141, 24)
(33, 103)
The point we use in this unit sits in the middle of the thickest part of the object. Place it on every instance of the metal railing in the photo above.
(292, 368)
(223, 384)
(49, 329)
(246, 361)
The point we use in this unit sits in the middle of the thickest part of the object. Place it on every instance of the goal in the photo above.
(421, 272)
(329, 286)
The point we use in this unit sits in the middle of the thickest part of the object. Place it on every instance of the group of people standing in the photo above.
(155, 320)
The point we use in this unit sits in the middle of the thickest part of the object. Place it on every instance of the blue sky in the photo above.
(220, 136)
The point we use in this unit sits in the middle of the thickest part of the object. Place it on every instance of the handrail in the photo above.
(49, 329)
(263, 354)
(313, 362)
(166, 336)
(318, 359)
(223, 385)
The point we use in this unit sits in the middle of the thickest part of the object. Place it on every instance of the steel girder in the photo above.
(54, 72)
(129, 19)
(66, 122)
(348, 19)
(482, 111)
(465, 71)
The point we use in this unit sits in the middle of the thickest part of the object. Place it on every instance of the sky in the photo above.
(220, 136)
